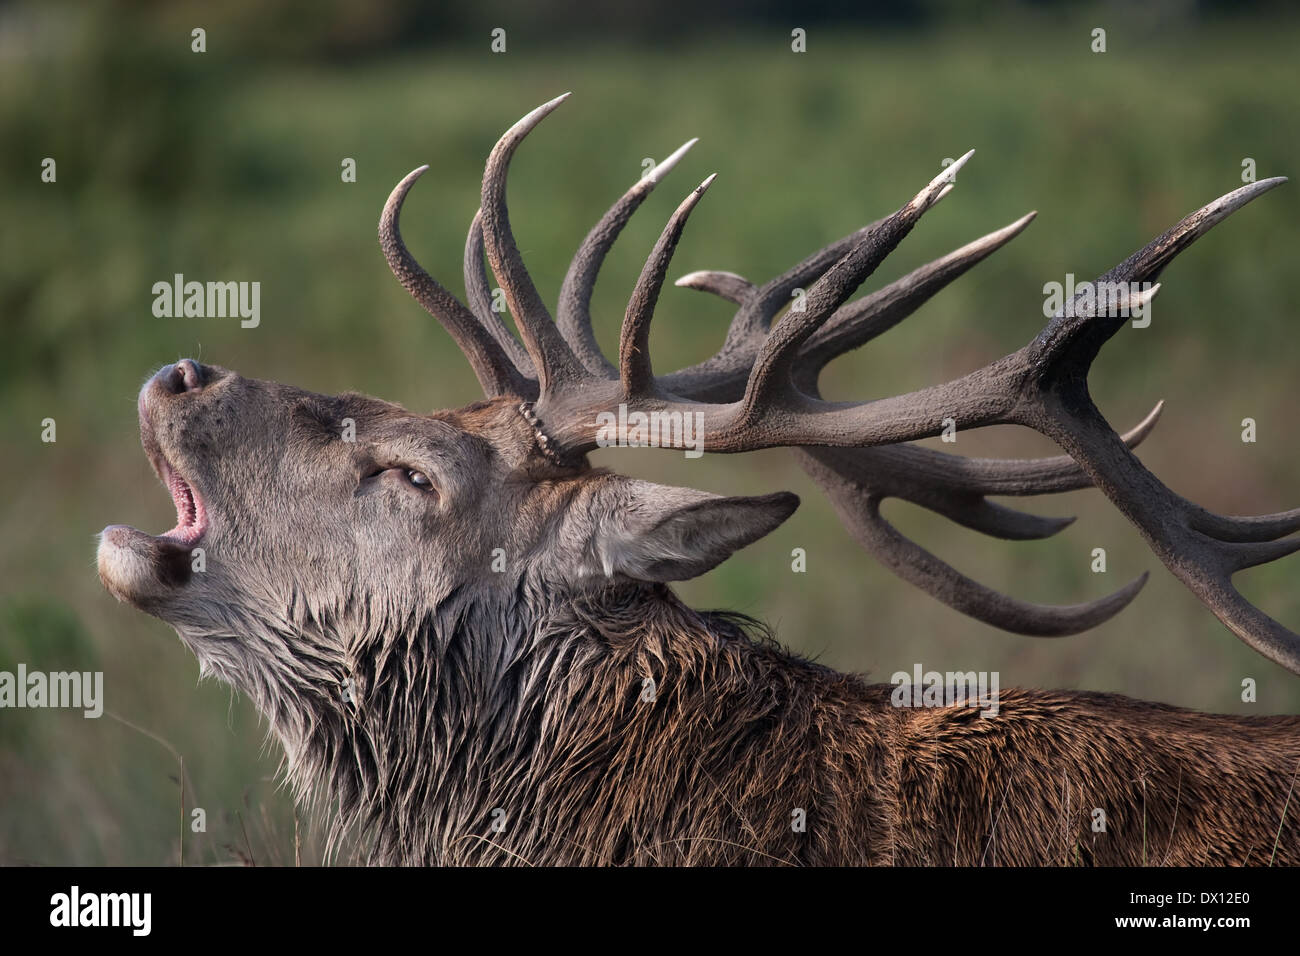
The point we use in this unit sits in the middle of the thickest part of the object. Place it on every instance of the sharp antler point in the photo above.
(960, 162)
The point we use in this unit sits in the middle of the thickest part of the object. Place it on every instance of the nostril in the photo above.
(192, 374)
(185, 376)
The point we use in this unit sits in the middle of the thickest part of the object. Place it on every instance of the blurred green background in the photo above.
(226, 165)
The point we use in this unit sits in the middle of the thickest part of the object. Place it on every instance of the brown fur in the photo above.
(744, 734)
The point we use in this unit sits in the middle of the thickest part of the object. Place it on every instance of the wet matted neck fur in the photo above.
(463, 634)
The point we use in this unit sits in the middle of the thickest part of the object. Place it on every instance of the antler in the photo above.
(857, 480)
(1203, 549)
(760, 391)
(480, 336)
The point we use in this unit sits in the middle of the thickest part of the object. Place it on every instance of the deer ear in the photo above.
(661, 533)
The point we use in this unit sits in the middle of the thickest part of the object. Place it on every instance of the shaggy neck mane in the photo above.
(475, 735)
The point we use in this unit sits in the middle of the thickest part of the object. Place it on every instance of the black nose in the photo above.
(185, 376)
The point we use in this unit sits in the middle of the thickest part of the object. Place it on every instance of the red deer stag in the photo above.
(463, 633)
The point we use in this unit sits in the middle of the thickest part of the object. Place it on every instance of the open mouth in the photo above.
(191, 518)
(146, 570)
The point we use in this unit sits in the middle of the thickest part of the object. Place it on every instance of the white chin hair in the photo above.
(129, 564)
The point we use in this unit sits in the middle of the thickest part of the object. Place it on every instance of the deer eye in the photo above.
(419, 479)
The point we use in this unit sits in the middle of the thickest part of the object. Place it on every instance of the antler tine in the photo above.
(1247, 528)
(770, 378)
(859, 510)
(1149, 261)
(634, 340)
(497, 373)
(552, 358)
(573, 314)
(726, 285)
(1071, 322)
(1255, 628)
(479, 293)
(478, 290)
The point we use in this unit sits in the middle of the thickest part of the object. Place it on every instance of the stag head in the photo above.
(311, 542)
